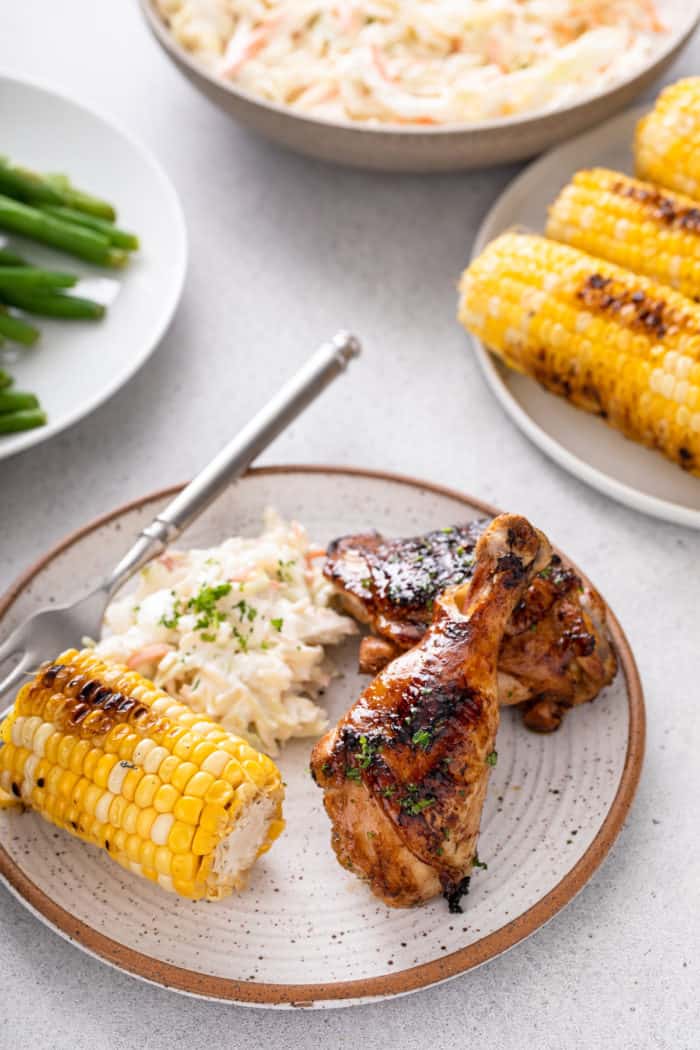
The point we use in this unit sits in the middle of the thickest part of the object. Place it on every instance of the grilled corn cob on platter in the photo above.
(611, 342)
(635, 224)
(101, 752)
(667, 141)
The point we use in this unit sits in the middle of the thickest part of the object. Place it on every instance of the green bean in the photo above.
(26, 420)
(79, 199)
(16, 401)
(76, 240)
(119, 238)
(53, 304)
(31, 277)
(8, 258)
(17, 330)
(27, 186)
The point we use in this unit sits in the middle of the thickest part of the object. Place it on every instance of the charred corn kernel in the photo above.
(613, 343)
(156, 786)
(188, 809)
(634, 224)
(666, 141)
(165, 798)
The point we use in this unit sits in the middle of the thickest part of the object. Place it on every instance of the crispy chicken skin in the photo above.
(405, 771)
(555, 652)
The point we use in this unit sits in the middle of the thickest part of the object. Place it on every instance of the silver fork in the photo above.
(50, 631)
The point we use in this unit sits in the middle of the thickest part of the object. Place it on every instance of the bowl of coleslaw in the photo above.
(421, 85)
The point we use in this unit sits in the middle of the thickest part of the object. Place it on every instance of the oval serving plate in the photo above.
(581, 443)
(75, 367)
(305, 932)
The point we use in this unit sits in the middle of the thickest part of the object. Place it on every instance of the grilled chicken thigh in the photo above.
(405, 771)
(555, 652)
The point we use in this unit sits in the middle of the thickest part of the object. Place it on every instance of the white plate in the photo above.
(306, 932)
(75, 366)
(581, 443)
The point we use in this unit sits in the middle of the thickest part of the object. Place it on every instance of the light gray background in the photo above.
(283, 252)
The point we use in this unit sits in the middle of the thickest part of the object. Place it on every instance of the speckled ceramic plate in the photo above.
(581, 443)
(307, 933)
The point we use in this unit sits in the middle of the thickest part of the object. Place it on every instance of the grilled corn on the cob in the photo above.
(611, 342)
(100, 751)
(631, 223)
(667, 143)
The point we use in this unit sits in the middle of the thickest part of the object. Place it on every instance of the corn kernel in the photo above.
(180, 837)
(165, 798)
(187, 809)
(199, 784)
(182, 775)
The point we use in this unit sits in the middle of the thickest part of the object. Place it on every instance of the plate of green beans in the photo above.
(92, 261)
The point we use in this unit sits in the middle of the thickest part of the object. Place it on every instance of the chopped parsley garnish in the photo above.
(246, 611)
(422, 738)
(492, 758)
(366, 583)
(284, 575)
(447, 529)
(277, 622)
(353, 774)
(545, 573)
(365, 756)
(413, 804)
(476, 863)
(387, 792)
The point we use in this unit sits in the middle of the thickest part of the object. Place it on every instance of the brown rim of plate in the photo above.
(416, 977)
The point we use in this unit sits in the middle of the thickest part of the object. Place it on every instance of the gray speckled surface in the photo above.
(283, 251)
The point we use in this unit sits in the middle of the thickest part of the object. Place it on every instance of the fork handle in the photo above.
(329, 361)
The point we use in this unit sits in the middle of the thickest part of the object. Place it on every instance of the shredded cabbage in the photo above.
(236, 632)
(417, 61)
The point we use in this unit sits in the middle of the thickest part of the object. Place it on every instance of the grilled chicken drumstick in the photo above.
(555, 652)
(405, 770)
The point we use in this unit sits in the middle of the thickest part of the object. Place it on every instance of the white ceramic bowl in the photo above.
(454, 147)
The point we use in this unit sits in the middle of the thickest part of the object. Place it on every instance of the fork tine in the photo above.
(12, 678)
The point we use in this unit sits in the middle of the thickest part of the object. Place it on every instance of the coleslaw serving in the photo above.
(236, 632)
(416, 61)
